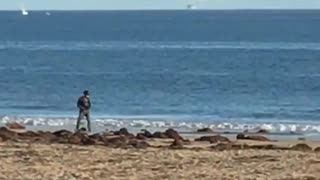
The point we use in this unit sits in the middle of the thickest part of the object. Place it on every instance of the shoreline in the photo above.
(195, 134)
(281, 131)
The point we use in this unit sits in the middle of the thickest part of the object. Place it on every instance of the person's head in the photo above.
(86, 93)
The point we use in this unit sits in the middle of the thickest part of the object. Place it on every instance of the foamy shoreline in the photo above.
(310, 129)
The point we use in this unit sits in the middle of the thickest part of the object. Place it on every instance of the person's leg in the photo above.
(79, 119)
(88, 120)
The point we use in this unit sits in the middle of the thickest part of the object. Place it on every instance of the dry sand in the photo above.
(58, 161)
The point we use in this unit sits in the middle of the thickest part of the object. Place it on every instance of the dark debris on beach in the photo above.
(124, 139)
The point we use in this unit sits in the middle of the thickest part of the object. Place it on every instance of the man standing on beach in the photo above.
(84, 106)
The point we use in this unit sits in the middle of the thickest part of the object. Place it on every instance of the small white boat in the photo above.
(48, 13)
(24, 12)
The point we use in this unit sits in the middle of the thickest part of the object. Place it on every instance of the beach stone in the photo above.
(262, 131)
(177, 144)
(87, 141)
(46, 135)
(116, 139)
(63, 133)
(159, 135)
(6, 134)
(97, 137)
(74, 140)
(38, 140)
(141, 136)
(301, 147)
(39, 137)
(122, 131)
(15, 125)
(146, 133)
(213, 139)
(242, 136)
(173, 134)
(205, 130)
(317, 149)
(29, 134)
(79, 138)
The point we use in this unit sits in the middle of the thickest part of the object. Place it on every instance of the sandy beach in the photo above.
(35, 161)
(194, 160)
(160, 90)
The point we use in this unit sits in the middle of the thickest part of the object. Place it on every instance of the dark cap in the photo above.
(86, 92)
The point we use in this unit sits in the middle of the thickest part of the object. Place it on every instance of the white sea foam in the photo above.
(106, 45)
(113, 124)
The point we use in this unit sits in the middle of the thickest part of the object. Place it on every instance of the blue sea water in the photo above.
(225, 69)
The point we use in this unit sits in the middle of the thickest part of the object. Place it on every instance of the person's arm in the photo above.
(79, 104)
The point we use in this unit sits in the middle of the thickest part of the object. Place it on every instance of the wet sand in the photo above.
(196, 161)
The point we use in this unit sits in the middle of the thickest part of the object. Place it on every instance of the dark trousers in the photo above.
(83, 114)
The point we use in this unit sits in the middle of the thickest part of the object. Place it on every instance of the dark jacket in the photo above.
(84, 103)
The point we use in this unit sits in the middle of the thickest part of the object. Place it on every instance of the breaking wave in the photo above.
(120, 45)
(189, 126)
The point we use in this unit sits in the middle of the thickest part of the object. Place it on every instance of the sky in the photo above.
(156, 4)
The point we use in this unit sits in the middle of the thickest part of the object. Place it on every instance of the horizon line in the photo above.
(175, 9)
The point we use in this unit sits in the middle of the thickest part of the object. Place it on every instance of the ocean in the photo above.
(228, 70)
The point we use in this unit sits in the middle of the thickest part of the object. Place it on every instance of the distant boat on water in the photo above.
(48, 13)
(24, 12)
